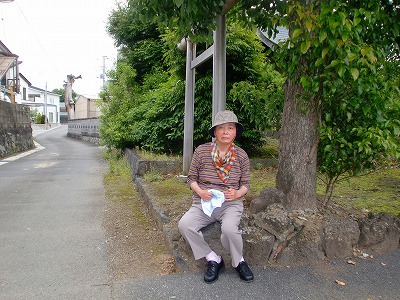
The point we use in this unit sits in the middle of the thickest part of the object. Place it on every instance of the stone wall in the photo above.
(15, 129)
(274, 236)
(84, 129)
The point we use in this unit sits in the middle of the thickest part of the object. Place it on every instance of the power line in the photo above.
(36, 38)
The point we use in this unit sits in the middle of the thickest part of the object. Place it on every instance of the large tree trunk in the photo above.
(297, 166)
(70, 111)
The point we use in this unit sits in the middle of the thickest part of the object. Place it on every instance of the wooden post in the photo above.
(218, 51)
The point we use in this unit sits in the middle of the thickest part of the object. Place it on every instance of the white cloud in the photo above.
(54, 38)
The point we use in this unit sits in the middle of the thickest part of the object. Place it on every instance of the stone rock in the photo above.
(379, 233)
(175, 234)
(275, 220)
(268, 196)
(257, 245)
(305, 248)
(340, 236)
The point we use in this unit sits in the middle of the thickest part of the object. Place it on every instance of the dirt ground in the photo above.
(135, 246)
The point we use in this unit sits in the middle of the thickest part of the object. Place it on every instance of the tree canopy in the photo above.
(144, 102)
(337, 61)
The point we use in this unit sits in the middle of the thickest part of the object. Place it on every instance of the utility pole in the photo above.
(103, 76)
(45, 107)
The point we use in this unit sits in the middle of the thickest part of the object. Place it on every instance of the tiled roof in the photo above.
(271, 41)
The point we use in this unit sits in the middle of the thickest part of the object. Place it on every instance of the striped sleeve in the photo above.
(203, 172)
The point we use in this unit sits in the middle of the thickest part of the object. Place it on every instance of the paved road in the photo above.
(51, 239)
(378, 278)
(52, 243)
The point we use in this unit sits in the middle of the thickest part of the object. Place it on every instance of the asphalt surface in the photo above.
(52, 244)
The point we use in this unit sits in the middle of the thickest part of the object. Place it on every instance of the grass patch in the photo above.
(260, 178)
(148, 155)
(174, 196)
(118, 184)
(152, 176)
(375, 192)
(171, 189)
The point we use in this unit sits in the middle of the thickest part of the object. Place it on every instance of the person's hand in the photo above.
(231, 194)
(205, 195)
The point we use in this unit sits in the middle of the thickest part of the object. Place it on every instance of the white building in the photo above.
(40, 101)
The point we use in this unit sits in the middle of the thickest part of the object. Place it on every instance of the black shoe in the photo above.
(244, 272)
(213, 269)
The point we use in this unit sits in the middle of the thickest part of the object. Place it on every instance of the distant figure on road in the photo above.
(219, 177)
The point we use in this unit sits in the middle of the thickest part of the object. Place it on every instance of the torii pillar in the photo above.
(219, 66)
(218, 52)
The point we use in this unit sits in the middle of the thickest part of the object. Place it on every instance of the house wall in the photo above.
(5, 90)
(53, 108)
(94, 109)
(81, 108)
(15, 129)
(86, 108)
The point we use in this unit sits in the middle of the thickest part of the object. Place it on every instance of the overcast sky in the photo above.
(54, 38)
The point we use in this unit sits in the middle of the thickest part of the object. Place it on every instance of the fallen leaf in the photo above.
(351, 262)
(340, 282)
(383, 264)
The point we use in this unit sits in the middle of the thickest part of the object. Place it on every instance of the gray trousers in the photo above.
(231, 236)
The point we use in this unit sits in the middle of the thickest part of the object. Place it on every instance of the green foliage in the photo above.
(188, 17)
(61, 92)
(139, 42)
(254, 87)
(39, 119)
(33, 115)
(159, 117)
(144, 103)
(152, 176)
(117, 164)
(337, 53)
(115, 126)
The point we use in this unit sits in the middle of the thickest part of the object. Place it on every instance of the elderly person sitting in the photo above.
(219, 177)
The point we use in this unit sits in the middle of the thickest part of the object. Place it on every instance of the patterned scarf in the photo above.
(223, 166)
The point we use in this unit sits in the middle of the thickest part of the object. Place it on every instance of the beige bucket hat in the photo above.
(226, 116)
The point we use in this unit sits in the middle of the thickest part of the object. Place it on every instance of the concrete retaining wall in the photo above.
(15, 129)
(140, 167)
(84, 129)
